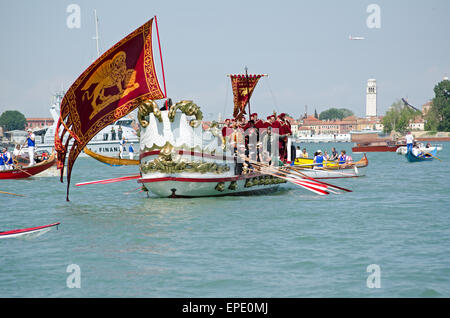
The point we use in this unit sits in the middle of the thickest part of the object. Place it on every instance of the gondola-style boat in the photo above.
(110, 160)
(28, 233)
(25, 172)
(423, 157)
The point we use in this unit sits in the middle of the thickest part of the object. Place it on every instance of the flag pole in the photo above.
(160, 55)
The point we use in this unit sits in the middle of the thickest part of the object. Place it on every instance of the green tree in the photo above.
(315, 114)
(439, 115)
(398, 116)
(12, 120)
(335, 113)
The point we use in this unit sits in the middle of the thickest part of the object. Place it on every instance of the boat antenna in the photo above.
(248, 93)
(96, 38)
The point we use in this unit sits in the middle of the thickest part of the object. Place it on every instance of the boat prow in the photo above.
(110, 160)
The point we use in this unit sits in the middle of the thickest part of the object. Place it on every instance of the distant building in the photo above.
(417, 124)
(38, 122)
(371, 98)
(426, 108)
(16, 136)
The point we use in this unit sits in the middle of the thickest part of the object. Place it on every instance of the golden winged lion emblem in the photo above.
(113, 73)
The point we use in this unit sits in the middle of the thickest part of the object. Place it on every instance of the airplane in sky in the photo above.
(355, 37)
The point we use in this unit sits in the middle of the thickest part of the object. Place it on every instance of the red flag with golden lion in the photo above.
(108, 90)
(243, 86)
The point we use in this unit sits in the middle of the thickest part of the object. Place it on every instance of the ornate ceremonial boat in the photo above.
(26, 172)
(179, 159)
(423, 157)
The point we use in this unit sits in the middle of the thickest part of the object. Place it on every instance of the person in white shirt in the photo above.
(416, 151)
(298, 152)
(409, 141)
(122, 143)
(7, 158)
(31, 144)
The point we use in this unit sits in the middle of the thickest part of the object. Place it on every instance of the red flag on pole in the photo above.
(243, 86)
(107, 90)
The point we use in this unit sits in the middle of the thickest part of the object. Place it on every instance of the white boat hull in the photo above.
(334, 174)
(175, 187)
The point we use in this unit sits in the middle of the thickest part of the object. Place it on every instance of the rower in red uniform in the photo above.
(285, 133)
(226, 131)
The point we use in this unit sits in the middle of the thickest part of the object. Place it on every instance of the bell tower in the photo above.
(371, 98)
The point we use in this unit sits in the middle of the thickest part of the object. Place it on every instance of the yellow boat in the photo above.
(110, 160)
(332, 165)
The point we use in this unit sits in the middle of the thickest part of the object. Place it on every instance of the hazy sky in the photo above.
(302, 45)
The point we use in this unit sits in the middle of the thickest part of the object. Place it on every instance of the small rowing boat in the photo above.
(20, 172)
(28, 233)
(422, 157)
(110, 160)
(402, 150)
(332, 164)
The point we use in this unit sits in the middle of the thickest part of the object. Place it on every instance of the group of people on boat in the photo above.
(342, 159)
(255, 139)
(415, 147)
(256, 131)
(10, 161)
(122, 146)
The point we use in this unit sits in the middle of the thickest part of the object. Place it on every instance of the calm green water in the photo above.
(289, 244)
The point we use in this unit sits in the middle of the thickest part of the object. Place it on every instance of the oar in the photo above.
(327, 170)
(299, 183)
(325, 183)
(432, 156)
(19, 195)
(307, 185)
(304, 176)
(105, 181)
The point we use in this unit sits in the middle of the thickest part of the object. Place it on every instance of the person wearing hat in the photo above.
(31, 145)
(258, 122)
(318, 159)
(131, 151)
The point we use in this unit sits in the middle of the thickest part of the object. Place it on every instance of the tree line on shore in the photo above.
(399, 115)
